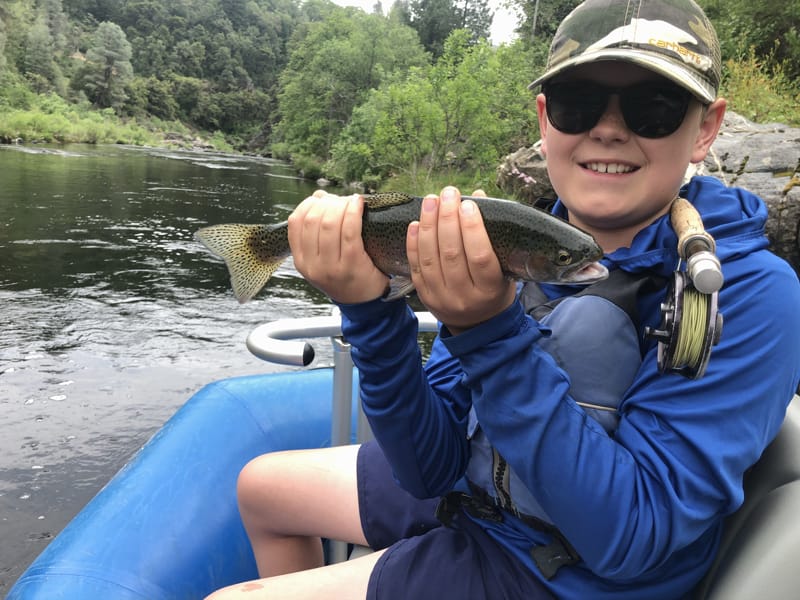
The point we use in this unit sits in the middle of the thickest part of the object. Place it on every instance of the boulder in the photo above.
(763, 158)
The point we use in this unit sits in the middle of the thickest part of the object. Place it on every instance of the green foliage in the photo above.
(463, 113)
(2, 44)
(466, 181)
(434, 20)
(396, 130)
(148, 95)
(770, 30)
(50, 118)
(539, 20)
(333, 66)
(107, 68)
(231, 111)
(340, 92)
(759, 94)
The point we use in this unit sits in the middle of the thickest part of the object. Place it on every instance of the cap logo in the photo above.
(655, 33)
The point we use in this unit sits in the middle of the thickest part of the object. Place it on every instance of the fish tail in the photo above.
(252, 253)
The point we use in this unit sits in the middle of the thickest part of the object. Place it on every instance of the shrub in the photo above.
(759, 93)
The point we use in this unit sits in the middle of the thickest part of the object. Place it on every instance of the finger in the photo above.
(451, 244)
(427, 240)
(412, 252)
(479, 193)
(482, 262)
(352, 223)
(296, 226)
(331, 218)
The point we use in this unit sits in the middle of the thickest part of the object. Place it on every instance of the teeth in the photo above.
(609, 167)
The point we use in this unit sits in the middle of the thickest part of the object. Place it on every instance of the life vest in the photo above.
(596, 337)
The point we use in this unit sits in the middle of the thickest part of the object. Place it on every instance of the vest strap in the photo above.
(549, 558)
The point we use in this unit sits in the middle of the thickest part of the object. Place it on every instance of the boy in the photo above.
(545, 456)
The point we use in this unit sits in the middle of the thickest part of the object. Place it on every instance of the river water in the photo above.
(111, 315)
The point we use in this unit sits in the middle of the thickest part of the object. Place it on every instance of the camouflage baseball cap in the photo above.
(673, 38)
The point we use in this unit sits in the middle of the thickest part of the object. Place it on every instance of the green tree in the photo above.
(107, 68)
(152, 96)
(400, 12)
(435, 19)
(475, 16)
(771, 29)
(330, 72)
(94, 10)
(187, 58)
(541, 19)
(40, 67)
(465, 112)
(51, 12)
(3, 19)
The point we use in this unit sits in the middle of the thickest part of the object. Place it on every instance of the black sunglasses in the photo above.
(651, 109)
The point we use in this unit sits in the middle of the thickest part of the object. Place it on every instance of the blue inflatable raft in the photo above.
(167, 526)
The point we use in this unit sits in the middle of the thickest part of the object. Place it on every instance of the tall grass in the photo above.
(31, 117)
(759, 93)
(51, 119)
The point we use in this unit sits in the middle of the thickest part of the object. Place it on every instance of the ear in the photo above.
(709, 128)
(541, 113)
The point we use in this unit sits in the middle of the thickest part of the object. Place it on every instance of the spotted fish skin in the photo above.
(251, 252)
(531, 245)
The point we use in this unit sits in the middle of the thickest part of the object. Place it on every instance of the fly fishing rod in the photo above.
(690, 319)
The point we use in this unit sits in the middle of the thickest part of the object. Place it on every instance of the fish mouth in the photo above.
(588, 273)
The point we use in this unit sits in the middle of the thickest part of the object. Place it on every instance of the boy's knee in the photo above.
(256, 478)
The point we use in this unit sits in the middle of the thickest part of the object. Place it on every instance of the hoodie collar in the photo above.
(733, 216)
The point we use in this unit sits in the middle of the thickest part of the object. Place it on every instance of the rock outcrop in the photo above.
(763, 158)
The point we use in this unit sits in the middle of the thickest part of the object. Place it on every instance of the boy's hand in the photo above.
(453, 265)
(325, 238)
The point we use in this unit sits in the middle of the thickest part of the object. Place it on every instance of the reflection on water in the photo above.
(112, 316)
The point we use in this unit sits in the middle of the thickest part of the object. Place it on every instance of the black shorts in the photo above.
(425, 560)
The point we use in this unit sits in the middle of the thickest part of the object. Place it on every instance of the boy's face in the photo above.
(612, 181)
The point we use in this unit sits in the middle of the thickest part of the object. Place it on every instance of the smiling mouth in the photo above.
(612, 168)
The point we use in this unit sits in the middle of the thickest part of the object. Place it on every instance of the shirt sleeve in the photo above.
(418, 415)
(674, 466)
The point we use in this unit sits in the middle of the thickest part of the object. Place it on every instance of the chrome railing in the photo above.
(276, 342)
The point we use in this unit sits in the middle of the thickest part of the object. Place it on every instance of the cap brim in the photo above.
(662, 65)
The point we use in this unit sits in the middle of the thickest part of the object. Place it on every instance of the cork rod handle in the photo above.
(696, 246)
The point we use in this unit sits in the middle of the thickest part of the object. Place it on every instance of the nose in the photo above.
(611, 126)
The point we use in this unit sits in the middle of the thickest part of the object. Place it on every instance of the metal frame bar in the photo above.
(272, 342)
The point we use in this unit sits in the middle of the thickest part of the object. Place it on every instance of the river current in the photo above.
(112, 316)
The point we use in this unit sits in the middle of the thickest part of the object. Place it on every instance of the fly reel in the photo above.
(690, 321)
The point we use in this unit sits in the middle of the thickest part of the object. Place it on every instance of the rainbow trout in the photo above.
(531, 245)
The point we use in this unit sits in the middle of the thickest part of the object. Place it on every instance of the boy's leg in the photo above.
(342, 581)
(287, 500)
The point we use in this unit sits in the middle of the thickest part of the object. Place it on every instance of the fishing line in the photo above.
(691, 335)
(690, 320)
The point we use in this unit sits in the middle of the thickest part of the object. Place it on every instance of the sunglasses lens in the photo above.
(575, 107)
(650, 110)
(654, 110)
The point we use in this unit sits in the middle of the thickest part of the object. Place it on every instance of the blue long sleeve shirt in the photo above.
(642, 505)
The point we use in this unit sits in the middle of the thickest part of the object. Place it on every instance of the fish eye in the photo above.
(564, 258)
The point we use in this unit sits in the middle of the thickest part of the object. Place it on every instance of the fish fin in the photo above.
(252, 254)
(400, 286)
(387, 199)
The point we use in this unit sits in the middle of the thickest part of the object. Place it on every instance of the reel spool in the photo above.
(690, 321)
(690, 326)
